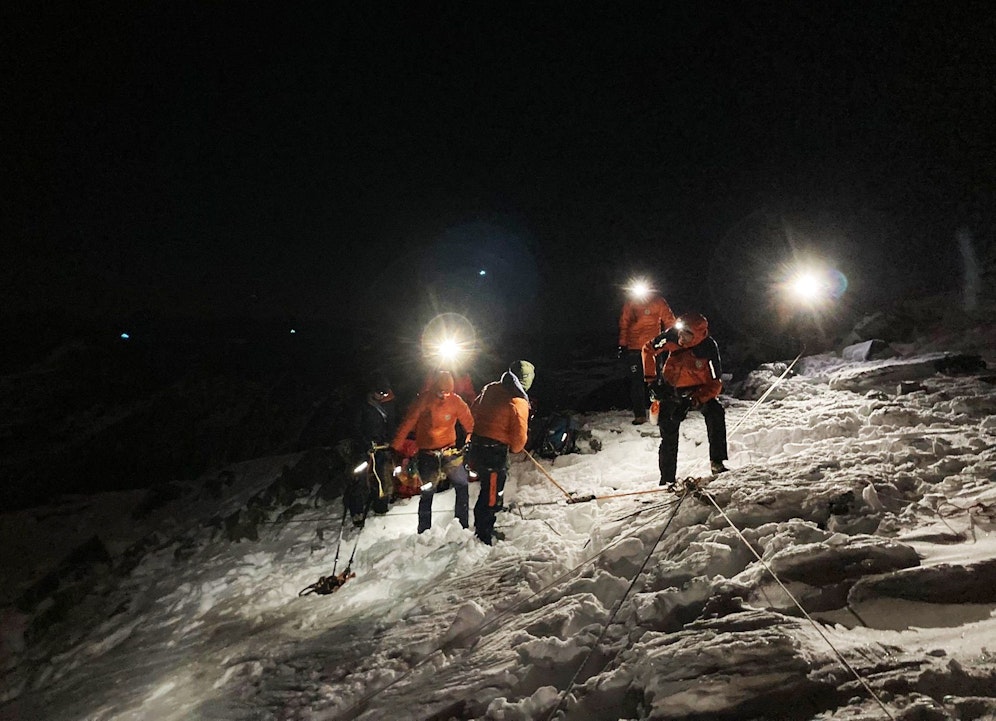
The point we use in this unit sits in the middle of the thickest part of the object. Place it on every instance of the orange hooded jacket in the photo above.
(433, 417)
(693, 366)
(641, 321)
(501, 413)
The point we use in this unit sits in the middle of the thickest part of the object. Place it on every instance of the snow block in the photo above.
(867, 350)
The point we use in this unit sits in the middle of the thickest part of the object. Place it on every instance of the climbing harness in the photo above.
(328, 584)
(333, 582)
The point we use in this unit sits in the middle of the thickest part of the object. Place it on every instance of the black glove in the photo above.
(621, 351)
(397, 458)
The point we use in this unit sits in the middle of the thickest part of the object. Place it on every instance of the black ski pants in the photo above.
(672, 413)
(638, 398)
(489, 460)
(433, 467)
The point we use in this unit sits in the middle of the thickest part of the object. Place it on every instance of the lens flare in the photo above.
(639, 289)
(814, 286)
(448, 340)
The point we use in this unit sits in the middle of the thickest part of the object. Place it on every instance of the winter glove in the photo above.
(397, 458)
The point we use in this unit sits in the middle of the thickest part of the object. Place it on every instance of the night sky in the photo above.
(359, 166)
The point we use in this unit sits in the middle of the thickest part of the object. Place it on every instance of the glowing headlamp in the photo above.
(639, 289)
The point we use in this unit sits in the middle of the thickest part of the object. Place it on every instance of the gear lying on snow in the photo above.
(328, 584)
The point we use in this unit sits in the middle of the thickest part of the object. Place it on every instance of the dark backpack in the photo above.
(555, 435)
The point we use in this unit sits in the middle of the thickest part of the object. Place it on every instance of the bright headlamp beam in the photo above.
(639, 289)
(808, 286)
(448, 350)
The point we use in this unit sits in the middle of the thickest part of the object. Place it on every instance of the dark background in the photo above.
(207, 177)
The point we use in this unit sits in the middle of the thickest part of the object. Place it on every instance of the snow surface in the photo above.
(864, 488)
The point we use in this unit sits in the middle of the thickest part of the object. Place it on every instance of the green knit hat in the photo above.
(524, 371)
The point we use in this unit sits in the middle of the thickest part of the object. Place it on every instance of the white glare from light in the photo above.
(448, 350)
(360, 468)
(639, 289)
(815, 286)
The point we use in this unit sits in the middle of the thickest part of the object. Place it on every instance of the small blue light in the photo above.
(125, 336)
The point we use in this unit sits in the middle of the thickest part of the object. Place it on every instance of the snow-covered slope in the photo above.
(862, 492)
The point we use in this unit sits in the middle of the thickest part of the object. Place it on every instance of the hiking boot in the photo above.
(669, 485)
(639, 421)
(717, 467)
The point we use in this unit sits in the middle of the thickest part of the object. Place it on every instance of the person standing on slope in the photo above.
(644, 314)
(501, 426)
(690, 378)
(375, 425)
(433, 417)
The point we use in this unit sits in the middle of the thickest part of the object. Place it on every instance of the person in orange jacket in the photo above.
(643, 316)
(690, 378)
(501, 426)
(433, 417)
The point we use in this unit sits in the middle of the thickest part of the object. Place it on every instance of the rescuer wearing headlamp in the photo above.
(643, 316)
(689, 379)
(434, 417)
(501, 426)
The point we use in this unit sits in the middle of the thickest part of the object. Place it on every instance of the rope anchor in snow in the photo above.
(580, 499)
(327, 584)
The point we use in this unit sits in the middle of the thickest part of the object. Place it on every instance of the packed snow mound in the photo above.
(841, 569)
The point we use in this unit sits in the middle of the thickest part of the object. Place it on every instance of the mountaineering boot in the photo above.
(717, 467)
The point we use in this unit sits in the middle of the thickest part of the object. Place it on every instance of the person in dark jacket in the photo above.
(689, 379)
(501, 426)
(376, 423)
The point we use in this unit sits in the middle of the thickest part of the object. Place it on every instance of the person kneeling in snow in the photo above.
(690, 378)
(501, 423)
(433, 416)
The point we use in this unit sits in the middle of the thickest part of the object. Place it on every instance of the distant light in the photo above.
(807, 286)
(125, 336)
(482, 272)
(293, 331)
(814, 286)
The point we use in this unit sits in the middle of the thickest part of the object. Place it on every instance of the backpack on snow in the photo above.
(554, 435)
